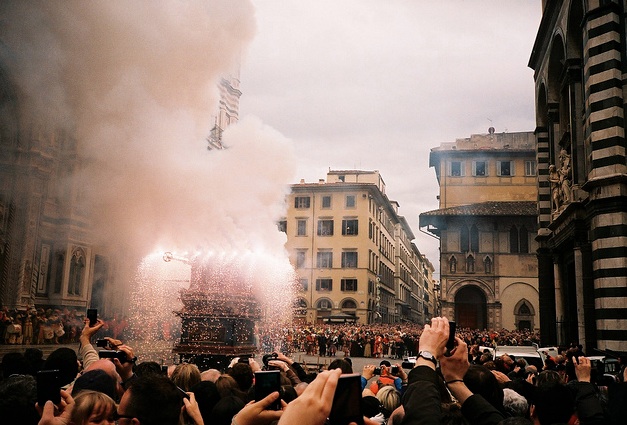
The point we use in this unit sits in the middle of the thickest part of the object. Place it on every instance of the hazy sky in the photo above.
(375, 84)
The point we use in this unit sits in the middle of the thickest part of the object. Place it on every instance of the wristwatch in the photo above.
(428, 356)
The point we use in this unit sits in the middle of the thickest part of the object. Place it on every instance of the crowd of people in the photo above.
(445, 386)
(392, 341)
(36, 326)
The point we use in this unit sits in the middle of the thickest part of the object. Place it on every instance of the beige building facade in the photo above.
(352, 252)
(487, 225)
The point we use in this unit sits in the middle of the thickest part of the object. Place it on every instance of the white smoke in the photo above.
(134, 84)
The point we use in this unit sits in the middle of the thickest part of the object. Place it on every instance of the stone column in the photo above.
(581, 323)
(559, 302)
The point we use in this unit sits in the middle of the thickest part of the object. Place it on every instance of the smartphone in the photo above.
(267, 382)
(92, 315)
(450, 344)
(346, 406)
(113, 354)
(48, 387)
(183, 393)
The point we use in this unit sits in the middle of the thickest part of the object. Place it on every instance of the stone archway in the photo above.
(471, 308)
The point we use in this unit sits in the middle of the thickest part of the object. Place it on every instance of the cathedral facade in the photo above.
(580, 59)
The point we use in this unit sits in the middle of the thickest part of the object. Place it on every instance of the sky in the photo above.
(376, 84)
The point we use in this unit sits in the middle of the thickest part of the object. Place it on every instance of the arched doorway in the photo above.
(470, 308)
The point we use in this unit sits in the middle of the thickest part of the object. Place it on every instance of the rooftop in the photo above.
(491, 208)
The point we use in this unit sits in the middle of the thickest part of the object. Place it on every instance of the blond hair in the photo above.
(89, 402)
(186, 375)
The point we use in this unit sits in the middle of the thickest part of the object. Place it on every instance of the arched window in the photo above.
(324, 304)
(452, 264)
(474, 239)
(513, 240)
(524, 240)
(77, 271)
(524, 309)
(470, 264)
(300, 307)
(487, 264)
(349, 305)
(58, 275)
(464, 239)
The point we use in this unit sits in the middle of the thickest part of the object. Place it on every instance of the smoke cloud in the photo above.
(134, 85)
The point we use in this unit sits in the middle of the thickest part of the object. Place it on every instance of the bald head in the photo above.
(210, 375)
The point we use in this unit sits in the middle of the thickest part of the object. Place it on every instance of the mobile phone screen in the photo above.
(48, 387)
(92, 315)
(267, 382)
(346, 406)
(450, 344)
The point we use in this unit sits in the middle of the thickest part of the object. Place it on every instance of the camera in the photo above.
(103, 343)
(394, 370)
(377, 371)
(408, 363)
(267, 357)
(113, 354)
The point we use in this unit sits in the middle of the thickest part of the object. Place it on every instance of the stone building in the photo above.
(352, 252)
(486, 224)
(580, 58)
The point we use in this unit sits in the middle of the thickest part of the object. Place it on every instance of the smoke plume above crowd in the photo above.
(134, 85)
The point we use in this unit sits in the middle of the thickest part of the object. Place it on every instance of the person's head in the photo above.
(93, 407)
(147, 368)
(225, 409)
(151, 400)
(547, 376)
(18, 395)
(96, 380)
(397, 416)
(390, 399)
(553, 403)
(65, 360)
(207, 397)
(452, 415)
(210, 375)
(243, 375)
(514, 403)
(480, 380)
(108, 366)
(342, 364)
(227, 386)
(186, 375)
(14, 364)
